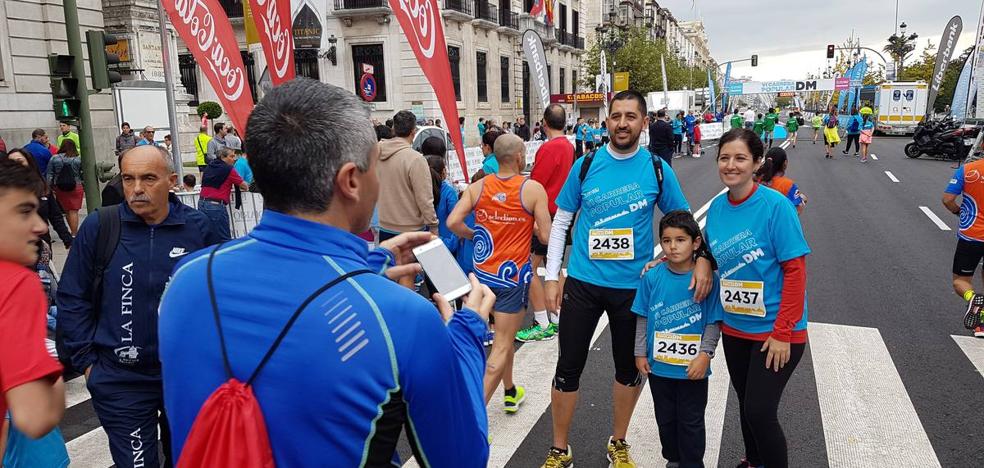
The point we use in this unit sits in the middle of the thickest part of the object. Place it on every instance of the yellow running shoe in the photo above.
(618, 454)
(558, 459)
(512, 402)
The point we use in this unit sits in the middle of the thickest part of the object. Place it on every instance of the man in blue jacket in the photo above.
(112, 333)
(39, 149)
(367, 357)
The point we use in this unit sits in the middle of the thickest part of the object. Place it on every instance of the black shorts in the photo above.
(539, 248)
(967, 256)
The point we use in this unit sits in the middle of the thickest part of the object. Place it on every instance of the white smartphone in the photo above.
(442, 269)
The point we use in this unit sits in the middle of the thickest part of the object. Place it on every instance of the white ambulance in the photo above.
(900, 106)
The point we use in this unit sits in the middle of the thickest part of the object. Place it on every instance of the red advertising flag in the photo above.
(273, 24)
(422, 24)
(205, 29)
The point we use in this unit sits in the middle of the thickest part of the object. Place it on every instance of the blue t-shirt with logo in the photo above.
(617, 194)
(675, 323)
(677, 127)
(579, 132)
(749, 241)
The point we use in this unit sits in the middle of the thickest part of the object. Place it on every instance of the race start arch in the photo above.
(771, 87)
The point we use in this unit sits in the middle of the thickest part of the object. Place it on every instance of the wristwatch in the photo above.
(709, 353)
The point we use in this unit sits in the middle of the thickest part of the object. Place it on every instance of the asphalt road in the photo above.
(889, 377)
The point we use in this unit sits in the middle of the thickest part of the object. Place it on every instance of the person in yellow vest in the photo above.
(68, 134)
(201, 145)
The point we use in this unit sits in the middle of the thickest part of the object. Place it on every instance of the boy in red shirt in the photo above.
(697, 139)
(31, 386)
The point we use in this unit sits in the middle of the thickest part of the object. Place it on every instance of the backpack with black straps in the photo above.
(657, 168)
(832, 121)
(229, 429)
(65, 179)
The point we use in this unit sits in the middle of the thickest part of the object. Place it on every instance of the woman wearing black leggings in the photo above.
(755, 235)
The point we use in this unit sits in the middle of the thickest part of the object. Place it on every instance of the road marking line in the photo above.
(90, 449)
(935, 219)
(785, 144)
(533, 368)
(75, 392)
(703, 209)
(891, 176)
(874, 157)
(644, 434)
(868, 417)
(973, 348)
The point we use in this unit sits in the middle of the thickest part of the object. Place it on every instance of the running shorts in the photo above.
(511, 300)
(967, 256)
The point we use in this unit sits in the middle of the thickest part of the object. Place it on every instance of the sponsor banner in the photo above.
(710, 90)
(207, 32)
(773, 87)
(579, 98)
(958, 107)
(947, 44)
(533, 50)
(273, 26)
(787, 94)
(842, 83)
(423, 26)
(727, 84)
(711, 131)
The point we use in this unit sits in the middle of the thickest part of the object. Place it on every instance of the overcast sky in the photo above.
(791, 37)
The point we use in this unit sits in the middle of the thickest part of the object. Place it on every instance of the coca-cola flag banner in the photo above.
(272, 19)
(421, 22)
(205, 29)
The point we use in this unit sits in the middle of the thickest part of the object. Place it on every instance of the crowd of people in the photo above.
(330, 326)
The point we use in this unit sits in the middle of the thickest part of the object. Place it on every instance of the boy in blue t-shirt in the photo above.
(675, 341)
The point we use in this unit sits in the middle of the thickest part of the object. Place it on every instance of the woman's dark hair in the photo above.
(383, 132)
(437, 164)
(434, 145)
(68, 148)
(189, 180)
(775, 161)
(680, 219)
(28, 178)
(490, 136)
(752, 140)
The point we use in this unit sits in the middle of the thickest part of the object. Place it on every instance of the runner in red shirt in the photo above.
(217, 183)
(31, 386)
(550, 168)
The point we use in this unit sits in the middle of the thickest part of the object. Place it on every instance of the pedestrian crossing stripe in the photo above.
(867, 416)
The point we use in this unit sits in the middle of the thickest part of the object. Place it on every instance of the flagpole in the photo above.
(172, 109)
(666, 89)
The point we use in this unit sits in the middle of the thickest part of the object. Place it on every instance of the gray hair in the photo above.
(223, 152)
(299, 136)
(168, 161)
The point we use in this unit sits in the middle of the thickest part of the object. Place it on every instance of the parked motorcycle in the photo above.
(942, 139)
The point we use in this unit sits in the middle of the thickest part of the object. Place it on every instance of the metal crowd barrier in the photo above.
(241, 220)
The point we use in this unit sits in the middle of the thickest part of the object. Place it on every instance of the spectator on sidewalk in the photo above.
(48, 208)
(523, 130)
(217, 142)
(167, 142)
(147, 136)
(31, 386)
(661, 138)
(242, 162)
(38, 148)
(188, 183)
(67, 133)
(126, 139)
(107, 313)
(201, 148)
(65, 178)
(217, 184)
(315, 153)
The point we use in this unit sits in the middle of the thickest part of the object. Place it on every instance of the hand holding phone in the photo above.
(442, 269)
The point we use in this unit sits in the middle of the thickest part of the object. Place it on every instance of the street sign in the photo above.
(367, 87)
(367, 68)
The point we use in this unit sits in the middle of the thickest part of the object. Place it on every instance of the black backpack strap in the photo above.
(283, 332)
(106, 242)
(658, 169)
(588, 158)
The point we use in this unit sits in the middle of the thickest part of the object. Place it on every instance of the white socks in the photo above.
(554, 317)
(541, 318)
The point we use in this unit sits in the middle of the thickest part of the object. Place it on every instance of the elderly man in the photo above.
(109, 294)
(217, 183)
(147, 136)
(393, 360)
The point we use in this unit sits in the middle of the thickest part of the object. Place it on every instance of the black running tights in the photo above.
(759, 391)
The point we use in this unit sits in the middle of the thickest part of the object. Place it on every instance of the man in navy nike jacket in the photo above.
(115, 341)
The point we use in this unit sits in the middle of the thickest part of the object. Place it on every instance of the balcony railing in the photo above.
(359, 4)
(509, 19)
(487, 12)
(461, 6)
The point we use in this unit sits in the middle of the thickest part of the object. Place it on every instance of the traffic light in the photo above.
(830, 51)
(64, 88)
(99, 59)
(755, 60)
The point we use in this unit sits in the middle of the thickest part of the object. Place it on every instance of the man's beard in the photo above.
(631, 145)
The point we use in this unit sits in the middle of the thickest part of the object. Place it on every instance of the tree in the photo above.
(921, 69)
(900, 47)
(639, 55)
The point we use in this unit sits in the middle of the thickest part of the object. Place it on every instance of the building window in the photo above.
(528, 5)
(504, 77)
(481, 77)
(563, 80)
(563, 18)
(250, 74)
(574, 81)
(575, 22)
(371, 54)
(549, 78)
(454, 56)
(306, 63)
(189, 76)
